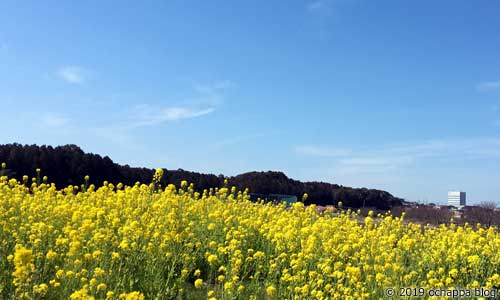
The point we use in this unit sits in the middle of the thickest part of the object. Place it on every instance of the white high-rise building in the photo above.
(456, 199)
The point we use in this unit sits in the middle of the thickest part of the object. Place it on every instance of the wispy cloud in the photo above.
(488, 86)
(53, 121)
(311, 150)
(215, 87)
(121, 126)
(212, 93)
(145, 115)
(178, 113)
(207, 99)
(320, 16)
(320, 7)
(72, 74)
(392, 157)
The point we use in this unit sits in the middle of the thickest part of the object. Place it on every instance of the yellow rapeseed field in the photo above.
(153, 242)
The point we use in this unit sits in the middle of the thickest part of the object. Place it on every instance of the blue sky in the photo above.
(397, 95)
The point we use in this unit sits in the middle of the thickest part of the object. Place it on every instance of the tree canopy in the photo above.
(69, 164)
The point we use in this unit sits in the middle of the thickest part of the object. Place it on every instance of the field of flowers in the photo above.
(153, 242)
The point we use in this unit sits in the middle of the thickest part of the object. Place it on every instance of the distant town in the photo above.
(455, 210)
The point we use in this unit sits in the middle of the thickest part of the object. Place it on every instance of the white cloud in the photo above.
(72, 74)
(178, 113)
(488, 86)
(489, 147)
(414, 169)
(146, 115)
(208, 98)
(320, 7)
(212, 91)
(320, 13)
(321, 151)
(392, 157)
(52, 121)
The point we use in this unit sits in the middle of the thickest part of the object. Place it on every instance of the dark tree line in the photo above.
(320, 193)
(425, 214)
(485, 213)
(68, 165)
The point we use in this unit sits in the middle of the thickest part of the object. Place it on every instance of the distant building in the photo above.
(456, 199)
(289, 199)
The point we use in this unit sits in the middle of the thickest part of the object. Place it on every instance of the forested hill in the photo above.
(65, 165)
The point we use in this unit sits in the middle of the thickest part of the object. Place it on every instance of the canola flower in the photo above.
(151, 242)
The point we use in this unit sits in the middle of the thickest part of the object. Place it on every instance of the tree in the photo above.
(65, 165)
(485, 213)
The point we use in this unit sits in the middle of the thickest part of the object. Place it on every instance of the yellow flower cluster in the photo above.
(151, 242)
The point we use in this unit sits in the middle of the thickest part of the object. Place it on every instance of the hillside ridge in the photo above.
(69, 164)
